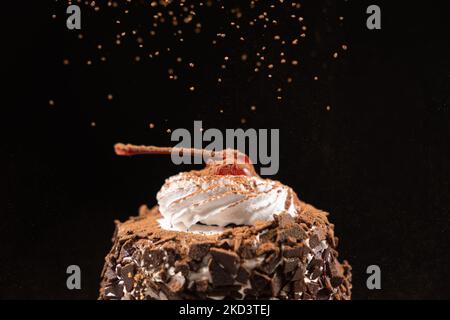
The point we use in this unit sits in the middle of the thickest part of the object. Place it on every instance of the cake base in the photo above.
(287, 258)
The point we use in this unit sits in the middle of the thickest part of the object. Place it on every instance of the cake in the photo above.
(224, 233)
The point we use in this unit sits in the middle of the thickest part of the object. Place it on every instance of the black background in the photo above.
(378, 160)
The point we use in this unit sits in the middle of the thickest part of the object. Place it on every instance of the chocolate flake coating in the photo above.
(287, 258)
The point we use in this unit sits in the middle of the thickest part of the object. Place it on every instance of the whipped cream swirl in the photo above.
(189, 201)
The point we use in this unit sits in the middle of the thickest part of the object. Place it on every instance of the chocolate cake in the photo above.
(224, 233)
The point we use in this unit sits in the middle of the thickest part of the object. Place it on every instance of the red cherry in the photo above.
(232, 169)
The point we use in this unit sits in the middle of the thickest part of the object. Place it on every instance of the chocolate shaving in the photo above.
(290, 264)
(237, 243)
(335, 275)
(267, 248)
(284, 220)
(314, 241)
(127, 274)
(227, 259)
(114, 291)
(198, 250)
(242, 275)
(270, 263)
(301, 251)
(275, 284)
(247, 250)
(269, 236)
(262, 225)
(219, 276)
(126, 250)
(299, 273)
(153, 258)
(294, 231)
(259, 281)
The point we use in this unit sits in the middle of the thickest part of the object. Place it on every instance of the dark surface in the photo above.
(378, 161)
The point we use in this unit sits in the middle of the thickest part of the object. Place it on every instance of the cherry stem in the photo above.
(131, 150)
